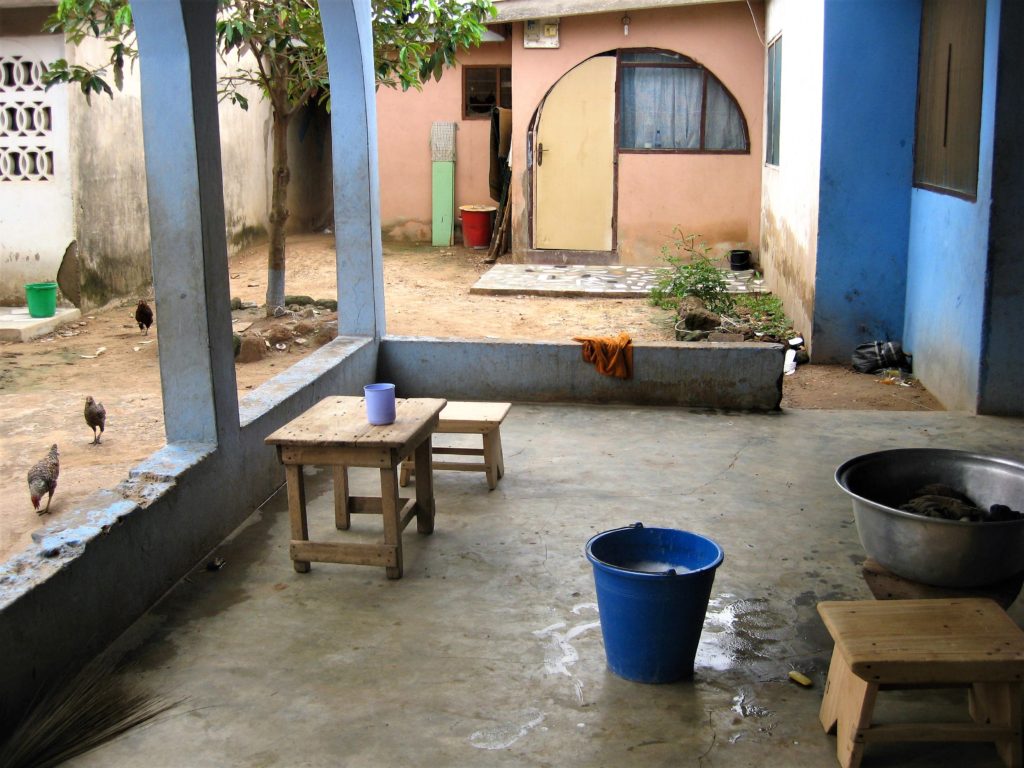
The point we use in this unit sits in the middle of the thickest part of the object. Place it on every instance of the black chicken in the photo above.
(42, 478)
(95, 417)
(144, 316)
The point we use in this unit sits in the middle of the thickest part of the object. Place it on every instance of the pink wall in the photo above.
(403, 135)
(716, 196)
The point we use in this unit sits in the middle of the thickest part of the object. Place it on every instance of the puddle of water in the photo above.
(737, 632)
(742, 706)
(506, 734)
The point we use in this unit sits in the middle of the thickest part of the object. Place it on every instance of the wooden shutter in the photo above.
(949, 96)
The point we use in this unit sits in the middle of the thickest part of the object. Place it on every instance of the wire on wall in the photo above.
(753, 18)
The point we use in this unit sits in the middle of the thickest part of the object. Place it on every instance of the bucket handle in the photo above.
(633, 527)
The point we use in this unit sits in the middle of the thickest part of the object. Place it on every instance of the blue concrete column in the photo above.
(869, 92)
(349, 38)
(1002, 368)
(181, 136)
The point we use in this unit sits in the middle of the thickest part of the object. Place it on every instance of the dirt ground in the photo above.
(43, 384)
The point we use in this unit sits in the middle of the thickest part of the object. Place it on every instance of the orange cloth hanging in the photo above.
(611, 355)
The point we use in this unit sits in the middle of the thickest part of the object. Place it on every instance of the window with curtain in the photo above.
(670, 103)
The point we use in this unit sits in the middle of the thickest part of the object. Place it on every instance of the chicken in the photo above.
(144, 316)
(95, 417)
(42, 478)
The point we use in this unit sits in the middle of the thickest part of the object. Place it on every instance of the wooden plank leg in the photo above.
(490, 459)
(853, 718)
(1000, 704)
(342, 518)
(297, 510)
(424, 475)
(389, 511)
(498, 453)
(403, 477)
(837, 670)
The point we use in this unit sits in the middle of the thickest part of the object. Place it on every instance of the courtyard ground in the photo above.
(43, 383)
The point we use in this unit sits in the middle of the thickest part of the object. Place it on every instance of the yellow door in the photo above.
(574, 155)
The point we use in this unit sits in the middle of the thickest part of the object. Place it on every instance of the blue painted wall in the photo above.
(1002, 369)
(948, 267)
(868, 113)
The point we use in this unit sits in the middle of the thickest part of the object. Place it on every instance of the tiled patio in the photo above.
(574, 280)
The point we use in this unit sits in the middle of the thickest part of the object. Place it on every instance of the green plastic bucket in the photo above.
(42, 299)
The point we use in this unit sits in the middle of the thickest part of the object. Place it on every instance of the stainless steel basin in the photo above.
(944, 553)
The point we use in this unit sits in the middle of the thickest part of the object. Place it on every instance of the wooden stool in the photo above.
(939, 643)
(470, 418)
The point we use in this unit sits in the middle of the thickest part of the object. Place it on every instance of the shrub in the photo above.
(763, 313)
(690, 273)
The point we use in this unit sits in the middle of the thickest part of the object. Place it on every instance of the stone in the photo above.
(328, 332)
(252, 348)
(298, 300)
(303, 328)
(683, 335)
(689, 304)
(278, 334)
(236, 303)
(700, 320)
(329, 304)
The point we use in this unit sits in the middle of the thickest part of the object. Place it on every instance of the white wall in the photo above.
(36, 223)
(789, 192)
(98, 195)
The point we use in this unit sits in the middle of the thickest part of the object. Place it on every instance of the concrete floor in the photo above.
(489, 651)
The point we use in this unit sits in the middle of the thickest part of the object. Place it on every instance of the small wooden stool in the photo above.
(470, 418)
(940, 643)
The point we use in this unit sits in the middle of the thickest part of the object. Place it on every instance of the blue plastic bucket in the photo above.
(380, 403)
(653, 586)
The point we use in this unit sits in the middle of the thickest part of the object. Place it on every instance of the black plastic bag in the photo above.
(876, 355)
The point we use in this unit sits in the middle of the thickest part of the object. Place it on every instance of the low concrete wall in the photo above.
(745, 376)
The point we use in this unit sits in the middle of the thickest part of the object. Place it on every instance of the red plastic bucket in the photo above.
(477, 222)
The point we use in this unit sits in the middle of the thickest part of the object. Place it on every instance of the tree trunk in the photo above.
(278, 210)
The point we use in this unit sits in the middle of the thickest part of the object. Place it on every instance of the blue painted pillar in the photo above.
(349, 38)
(181, 136)
(868, 115)
(1002, 369)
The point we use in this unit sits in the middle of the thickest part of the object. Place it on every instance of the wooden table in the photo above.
(335, 433)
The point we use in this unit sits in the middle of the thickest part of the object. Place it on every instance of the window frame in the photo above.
(773, 103)
(498, 69)
(685, 62)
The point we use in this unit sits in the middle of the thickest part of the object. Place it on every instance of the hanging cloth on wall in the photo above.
(611, 355)
(501, 142)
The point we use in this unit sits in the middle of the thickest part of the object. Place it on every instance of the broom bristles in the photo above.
(92, 708)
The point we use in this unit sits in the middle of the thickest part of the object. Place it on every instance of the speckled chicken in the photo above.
(42, 478)
(95, 417)
(144, 316)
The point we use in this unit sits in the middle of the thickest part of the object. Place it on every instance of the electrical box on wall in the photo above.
(541, 33)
